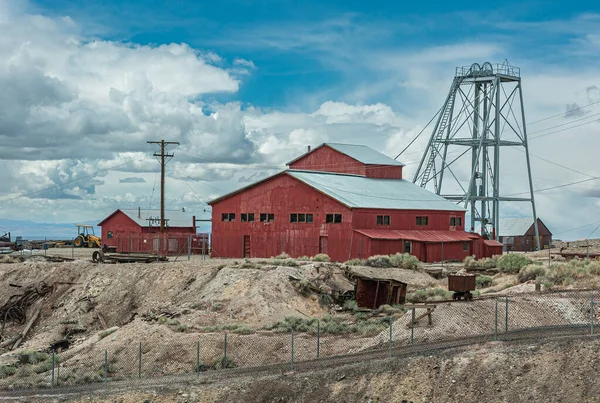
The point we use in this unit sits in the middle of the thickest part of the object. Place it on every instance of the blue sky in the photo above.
(246, 85)
(310, 50)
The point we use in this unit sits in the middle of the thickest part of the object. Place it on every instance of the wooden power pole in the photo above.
(162, 156)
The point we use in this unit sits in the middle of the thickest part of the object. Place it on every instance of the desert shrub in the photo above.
(405, 261)
(284, 262)
(356, 262)
(233, 328)
(548, 285)
(370, 326)
(296, 323)
(303, 287)
(248, 265)
(513, 262)
(181, 327)
(351, 304)
(321, 257)
(303, 258)
(216, 306)
(485, 263)
(6, 371)
(224, 362)
(428, 294)
(531, 272)
(483, 281)
(282, 256)
(325, 300)
(379, 261)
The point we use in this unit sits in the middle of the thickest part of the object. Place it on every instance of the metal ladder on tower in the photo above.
(443, 124)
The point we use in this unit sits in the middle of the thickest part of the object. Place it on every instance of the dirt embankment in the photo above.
(547, 371)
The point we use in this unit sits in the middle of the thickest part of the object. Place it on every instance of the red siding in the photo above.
(281, 196)
(384, 171)
(123, 227)
(407, 219)
(329, 160)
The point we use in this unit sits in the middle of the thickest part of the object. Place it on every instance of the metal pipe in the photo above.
(506, 316)
(412, 326)
(391, 337)
(105, 366)
(292, 349)
(140, 362)
(52, 383)
(224, 363)
(318, 338)
(198, 357)
(496, 323)
(592, 314)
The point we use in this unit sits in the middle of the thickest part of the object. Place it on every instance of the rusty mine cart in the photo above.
(462, 286)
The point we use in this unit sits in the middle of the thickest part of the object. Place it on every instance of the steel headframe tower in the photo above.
(478, 116)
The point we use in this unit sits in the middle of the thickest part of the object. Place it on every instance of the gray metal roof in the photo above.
(514, 226)
(364, 154)
(175, 218)
(359, 192)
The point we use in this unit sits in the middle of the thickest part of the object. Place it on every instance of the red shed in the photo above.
(344, 200)
(138, 230)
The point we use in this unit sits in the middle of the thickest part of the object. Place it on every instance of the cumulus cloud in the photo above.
(132, 179)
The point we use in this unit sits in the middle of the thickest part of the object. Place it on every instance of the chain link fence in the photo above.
(193, 355)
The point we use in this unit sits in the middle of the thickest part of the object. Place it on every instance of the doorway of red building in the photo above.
(247, 246)
(323, 244)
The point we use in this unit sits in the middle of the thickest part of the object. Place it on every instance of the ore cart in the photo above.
(462, 286)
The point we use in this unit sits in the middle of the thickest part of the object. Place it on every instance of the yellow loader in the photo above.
(86, 237)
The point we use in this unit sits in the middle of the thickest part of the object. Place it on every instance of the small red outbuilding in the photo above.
(139, 230)
(348, 201)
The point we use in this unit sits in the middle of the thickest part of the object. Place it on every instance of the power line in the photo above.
(562, 114)
(557, 186)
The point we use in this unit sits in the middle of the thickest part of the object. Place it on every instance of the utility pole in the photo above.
(162, 156)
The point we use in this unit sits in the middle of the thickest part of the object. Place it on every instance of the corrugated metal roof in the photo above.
(359, 192)
(361, 153)
(491, 242)
(416, 235)
(515, 226)
(175, 218)
(364, 154)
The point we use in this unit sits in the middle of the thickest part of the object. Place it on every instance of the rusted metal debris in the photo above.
(15, 309)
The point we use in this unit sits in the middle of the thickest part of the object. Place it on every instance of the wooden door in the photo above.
(323, 244)
(247, 246)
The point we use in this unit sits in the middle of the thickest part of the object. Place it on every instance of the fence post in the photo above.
(496, 322)
(592, 314)
(198, 357)
(105, 365)
(412, 326)
(292, 349)
(140, 362)
(224, 363)
(205, 240)
(52, 384)
(506, 316)
(318, 338)
(57, 371)
(391, 339)
(189, 244)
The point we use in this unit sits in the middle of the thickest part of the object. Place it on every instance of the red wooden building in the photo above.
(139, 231)
(518, 234)
(347, 201)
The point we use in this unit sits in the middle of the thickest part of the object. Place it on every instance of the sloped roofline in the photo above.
(341, 152)
(115, 212)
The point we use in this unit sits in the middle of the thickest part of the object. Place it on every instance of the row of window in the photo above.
(269, 217)
(329, 218)
(301, 217)
(248, 217)
(420, 220)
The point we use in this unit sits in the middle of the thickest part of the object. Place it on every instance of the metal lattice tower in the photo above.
(478, 116)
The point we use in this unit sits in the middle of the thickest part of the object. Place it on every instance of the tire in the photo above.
(95, 257)
(79, 242)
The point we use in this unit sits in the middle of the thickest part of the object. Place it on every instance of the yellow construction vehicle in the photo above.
(86, 238)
